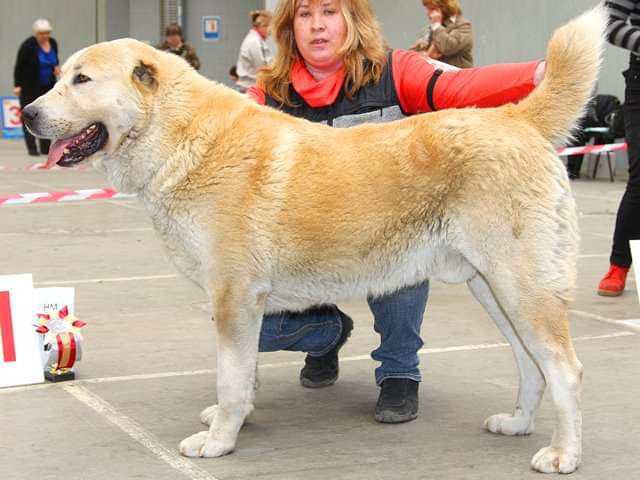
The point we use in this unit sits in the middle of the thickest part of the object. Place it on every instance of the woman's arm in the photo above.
(21, 61)
(257, 94)
(619, 33)
(489, 86)
(254, 54)
(192, 57)
(451, 43)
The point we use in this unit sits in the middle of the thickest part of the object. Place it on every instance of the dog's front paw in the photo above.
(208, 415)
(203, 444)
(555, 460)
(507, 424)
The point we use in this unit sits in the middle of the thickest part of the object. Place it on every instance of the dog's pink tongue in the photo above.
(56, 151)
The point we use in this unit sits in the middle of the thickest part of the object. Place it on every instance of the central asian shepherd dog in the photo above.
(267, 213)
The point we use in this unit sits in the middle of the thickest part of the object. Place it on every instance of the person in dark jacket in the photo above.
(174, 43)
(35, 73)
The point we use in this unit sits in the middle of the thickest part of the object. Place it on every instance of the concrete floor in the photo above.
(149, 366)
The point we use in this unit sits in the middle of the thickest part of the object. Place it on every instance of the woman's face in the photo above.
(320, 31)
(174, 40)
(43, 37)
(264, 31)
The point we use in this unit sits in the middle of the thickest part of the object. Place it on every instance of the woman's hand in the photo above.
(17, 91)
(421, 46)
(435, 15)
(538, 76)
(56, 71)
(433, 52)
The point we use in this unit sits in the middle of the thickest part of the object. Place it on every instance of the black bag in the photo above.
(615, 121)
(603, 111)
(604, 105)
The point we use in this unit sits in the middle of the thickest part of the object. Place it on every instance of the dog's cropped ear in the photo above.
(145, 74)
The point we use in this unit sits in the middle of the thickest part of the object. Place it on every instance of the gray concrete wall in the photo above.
(497, 40)
(117, 19)
(217, 57)
(74, 27)
(505, 30)
(144, 20)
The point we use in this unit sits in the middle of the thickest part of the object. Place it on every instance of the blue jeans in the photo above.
(398, 318)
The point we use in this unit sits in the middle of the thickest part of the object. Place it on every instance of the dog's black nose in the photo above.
(29, 113)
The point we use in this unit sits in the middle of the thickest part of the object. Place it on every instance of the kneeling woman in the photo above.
(332, 67)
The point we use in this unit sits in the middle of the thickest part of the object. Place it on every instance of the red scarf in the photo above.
(316, 93)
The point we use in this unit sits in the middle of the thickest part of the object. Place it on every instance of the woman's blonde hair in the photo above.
(260, 18)
(364, 51)
(450, 8)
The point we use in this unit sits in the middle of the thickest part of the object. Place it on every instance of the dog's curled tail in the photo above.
(573, 59)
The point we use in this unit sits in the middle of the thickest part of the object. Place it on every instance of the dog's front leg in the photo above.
(238, 316)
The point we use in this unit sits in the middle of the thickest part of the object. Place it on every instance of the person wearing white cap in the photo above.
(35, 73)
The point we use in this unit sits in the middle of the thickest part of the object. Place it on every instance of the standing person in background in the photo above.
(626, 35)
(254, 51)
(332, 67)
(174, 43)
(35, 73)
(449, 38)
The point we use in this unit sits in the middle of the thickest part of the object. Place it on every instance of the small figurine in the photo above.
(62, 344)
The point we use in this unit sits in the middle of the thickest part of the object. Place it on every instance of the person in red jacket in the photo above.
(332, 66)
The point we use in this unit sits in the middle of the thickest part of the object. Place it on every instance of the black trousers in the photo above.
(628, 219)
(29, 139)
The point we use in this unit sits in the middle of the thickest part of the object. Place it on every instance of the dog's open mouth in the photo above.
(73, 150)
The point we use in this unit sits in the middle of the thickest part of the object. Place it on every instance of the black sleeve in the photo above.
(54, 45)
(21, 62)
(619, 31)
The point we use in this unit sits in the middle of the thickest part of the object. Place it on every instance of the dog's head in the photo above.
(104, 93)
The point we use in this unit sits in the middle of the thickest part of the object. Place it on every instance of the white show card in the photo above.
(20, 360)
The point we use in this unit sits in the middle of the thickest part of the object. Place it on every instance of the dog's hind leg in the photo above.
(532, 383)
(238, 315)
(540, 318)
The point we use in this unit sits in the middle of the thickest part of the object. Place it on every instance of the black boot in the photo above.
(398, 401)
(323, 371)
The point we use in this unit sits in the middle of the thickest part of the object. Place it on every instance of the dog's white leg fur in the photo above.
(208, 414)
(564, 380)
(541, 321)
(238, 319)
(532, 383)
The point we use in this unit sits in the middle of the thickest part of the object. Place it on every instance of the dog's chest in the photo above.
(184, 243)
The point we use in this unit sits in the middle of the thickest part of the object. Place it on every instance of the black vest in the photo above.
(377, 103)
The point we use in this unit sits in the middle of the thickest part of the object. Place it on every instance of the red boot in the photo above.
(612, 285)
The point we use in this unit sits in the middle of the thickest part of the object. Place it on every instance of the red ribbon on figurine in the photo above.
(62, 333)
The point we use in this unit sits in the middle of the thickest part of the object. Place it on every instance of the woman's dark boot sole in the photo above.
(395, 417)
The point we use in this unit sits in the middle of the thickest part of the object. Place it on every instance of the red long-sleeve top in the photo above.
(489, 86)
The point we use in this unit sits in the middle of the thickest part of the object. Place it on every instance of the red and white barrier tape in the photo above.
(592, 149)
(42, 166)
(97, 194)
(587, 149)
(70, 196)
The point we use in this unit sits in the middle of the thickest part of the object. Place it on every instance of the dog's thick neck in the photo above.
(183, 115)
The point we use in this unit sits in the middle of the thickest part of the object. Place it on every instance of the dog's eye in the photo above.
(80, 78)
